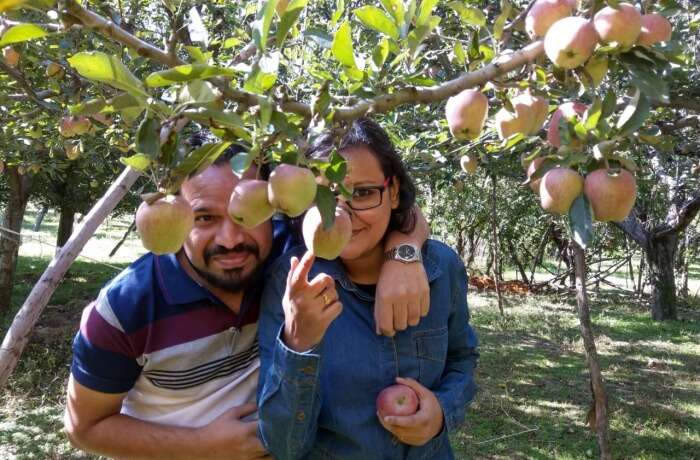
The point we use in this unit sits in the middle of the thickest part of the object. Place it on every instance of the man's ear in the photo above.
(394, 192)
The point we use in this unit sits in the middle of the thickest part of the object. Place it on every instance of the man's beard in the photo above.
(234, 280)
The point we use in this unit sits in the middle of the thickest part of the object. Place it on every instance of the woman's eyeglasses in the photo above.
(367, 196)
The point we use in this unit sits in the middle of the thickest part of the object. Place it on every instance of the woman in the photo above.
(323, 365)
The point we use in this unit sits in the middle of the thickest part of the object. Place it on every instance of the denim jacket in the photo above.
(321, 404)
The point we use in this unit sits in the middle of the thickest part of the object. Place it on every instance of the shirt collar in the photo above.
(176, 285)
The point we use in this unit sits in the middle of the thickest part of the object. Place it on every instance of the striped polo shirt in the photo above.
(181, 356)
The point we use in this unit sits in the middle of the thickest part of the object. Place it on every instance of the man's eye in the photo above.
(203, 218)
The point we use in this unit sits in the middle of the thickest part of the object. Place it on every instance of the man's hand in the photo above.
(421, 427)
(232, 438)
(309, 306)
(403, 297)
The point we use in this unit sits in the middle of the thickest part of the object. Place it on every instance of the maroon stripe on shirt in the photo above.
(103, 335)
(185, 327)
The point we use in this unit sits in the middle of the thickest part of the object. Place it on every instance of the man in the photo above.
(166, 361)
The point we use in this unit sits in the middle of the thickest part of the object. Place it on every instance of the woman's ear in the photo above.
(394, 192)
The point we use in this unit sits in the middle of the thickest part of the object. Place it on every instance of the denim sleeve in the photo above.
(457, 387)
(289, 399)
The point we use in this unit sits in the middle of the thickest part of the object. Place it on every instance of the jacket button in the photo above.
(301, 416)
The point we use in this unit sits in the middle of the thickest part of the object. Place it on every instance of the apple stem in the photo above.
(151, 198)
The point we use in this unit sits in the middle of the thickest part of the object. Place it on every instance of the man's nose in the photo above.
(230, 234)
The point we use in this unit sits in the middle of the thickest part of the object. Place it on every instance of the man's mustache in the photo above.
(222, 251)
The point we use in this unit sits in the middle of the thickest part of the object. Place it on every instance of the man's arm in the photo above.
(403, 293)
(93, 423)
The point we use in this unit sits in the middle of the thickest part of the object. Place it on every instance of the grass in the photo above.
(534, 390)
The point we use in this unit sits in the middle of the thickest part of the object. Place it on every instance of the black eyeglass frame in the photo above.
(381, 189)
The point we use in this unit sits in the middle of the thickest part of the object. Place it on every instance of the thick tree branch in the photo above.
(383, 103)
(692, 105)
(680, 221)
(386, 102)
(632, 227)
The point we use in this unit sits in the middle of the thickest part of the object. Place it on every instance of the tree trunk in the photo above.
(40, 218)
(598, 415)
(494, 228)
(65, 225)
(21, 328)
(20, 189)
(516, 261)
(660, 259)
(682, 265)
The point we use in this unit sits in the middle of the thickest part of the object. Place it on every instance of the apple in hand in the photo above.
(397, 400)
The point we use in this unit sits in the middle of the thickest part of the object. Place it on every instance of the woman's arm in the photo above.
(457, 387)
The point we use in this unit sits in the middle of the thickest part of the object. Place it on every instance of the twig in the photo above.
(506, 436)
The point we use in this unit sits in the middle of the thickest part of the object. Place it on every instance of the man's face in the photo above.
(223, 253)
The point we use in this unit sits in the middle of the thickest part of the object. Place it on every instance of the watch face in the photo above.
(406, 252)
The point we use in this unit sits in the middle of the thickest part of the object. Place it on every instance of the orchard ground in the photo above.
(533, 379)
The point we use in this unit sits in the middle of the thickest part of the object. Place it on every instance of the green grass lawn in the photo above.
(534, 391)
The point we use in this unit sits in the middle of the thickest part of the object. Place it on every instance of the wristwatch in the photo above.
(405, 253)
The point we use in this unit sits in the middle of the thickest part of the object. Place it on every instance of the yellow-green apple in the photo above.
(569, 42)
(74, 126)
(291, 189)
(544, 13)
(655, 29)
(164, 224)
(620, 25)
(611, 194)
(569, 110)
(327, 244)
(55, 70)
(249, 206)
(559, 188)
(469, 163)
(397, 400)
(466, 114)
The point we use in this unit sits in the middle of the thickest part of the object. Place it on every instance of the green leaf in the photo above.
(581, 221)
(139, 162)
(592, 116)
(500, 22)
(396, 9)
(337, 168)
(241, 162)
(187, 72)
(380, 53)
(197, 92)
(289, 18)
(424, 12)
(200, 158)
(261, 26)
(148, 138)
(634, 115)
(338, 12)
(7, 5)
(259, 81)
(417, 35)
(107, 69)
(460, 58)
(199, 56)
(609, 104)
(468, 14)
(218, 119)
(325, 200)
(22, 33)
(376, 19)
(342, 46)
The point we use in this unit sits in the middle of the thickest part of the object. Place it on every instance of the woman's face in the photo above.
(368, 225)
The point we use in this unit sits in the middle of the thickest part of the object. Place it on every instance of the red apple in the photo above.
(397, 400)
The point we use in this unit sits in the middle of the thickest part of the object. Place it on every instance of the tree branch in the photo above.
(681, 219)
(677, 103)
(632, 227)
(19, 78)
(382, 103)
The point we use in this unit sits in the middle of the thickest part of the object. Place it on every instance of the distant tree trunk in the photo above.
(20, 189)
(660, 259)
(496, 257)
(40, 218)
(516, 261)
(682, 265)
(65, 225)
(460, 243)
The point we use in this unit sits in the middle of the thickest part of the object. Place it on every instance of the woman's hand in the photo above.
(309, 306)
(421, 427)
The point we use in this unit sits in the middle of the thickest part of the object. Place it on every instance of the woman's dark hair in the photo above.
(365, 132)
